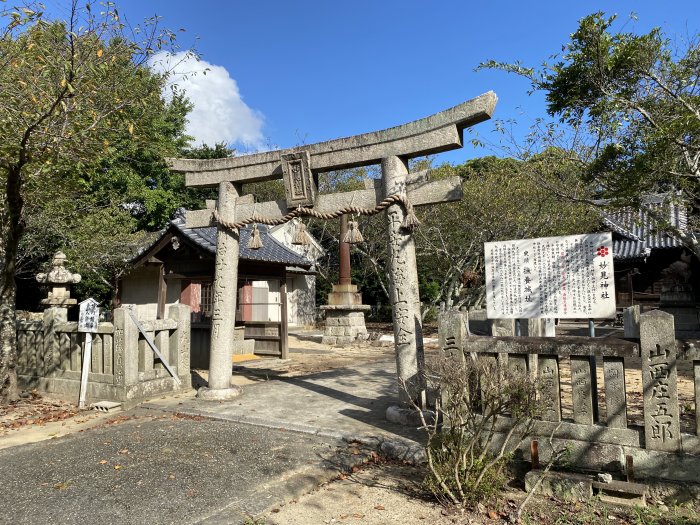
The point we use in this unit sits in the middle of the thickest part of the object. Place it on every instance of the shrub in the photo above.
(483, 413)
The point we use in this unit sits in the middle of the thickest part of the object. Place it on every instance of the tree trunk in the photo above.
(13, 228)
(8, 341)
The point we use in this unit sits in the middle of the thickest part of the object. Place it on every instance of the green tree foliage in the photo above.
(103, 206)
(74, 95)
(629, 107)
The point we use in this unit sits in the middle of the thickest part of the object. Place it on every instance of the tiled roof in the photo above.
(634, 235)
(205, 238)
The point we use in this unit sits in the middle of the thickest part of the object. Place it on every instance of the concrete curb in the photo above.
(291, 487)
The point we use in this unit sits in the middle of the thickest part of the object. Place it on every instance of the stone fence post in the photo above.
(51, 358)
(502, 327)
(126, 349)
(659, 381)
(630, 319)
(180, 342)
(453, 329)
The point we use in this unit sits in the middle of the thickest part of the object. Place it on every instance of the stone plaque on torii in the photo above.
(392, 148)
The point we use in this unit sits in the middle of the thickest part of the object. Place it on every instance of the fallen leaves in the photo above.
(180, 415)
(118, 420)
(33, 410)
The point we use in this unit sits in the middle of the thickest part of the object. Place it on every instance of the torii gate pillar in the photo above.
(403, 286)
(223, 318)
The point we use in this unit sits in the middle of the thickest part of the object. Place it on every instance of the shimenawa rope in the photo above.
(410, 222)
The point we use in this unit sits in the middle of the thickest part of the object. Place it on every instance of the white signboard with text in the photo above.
(89, 316)
(564, 277)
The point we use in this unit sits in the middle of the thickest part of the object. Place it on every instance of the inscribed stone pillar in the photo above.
(180, 342)
(630, 317)
(549, 387)
(223, 302)
(126, 358)
(452, 333)
(403, 286)
(517, 365)
(615, 392)
(657, 340)
(550, 327)
(535, 327)
(582, 390)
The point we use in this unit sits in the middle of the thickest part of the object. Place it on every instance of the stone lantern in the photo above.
(59, 280)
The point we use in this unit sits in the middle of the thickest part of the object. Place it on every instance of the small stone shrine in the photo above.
(59, 280)
(345, 313)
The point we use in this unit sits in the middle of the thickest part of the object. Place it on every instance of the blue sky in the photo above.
(285, 73)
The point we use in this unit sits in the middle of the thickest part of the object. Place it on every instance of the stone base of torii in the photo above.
(397, 194)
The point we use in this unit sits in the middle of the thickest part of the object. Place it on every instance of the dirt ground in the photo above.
(389, 493)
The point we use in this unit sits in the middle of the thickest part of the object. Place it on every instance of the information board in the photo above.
(563, 277)
(89, 316)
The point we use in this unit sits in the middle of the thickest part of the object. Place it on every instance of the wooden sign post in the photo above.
(88, 319)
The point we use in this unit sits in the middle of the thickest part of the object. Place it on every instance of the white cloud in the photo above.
(219, 113)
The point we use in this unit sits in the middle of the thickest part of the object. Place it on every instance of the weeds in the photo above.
(482, 415)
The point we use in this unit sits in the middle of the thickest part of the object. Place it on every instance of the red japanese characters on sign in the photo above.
(565, 277)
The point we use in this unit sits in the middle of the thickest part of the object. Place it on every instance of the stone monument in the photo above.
(345, 313)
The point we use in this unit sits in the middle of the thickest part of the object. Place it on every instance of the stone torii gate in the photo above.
(392, 148)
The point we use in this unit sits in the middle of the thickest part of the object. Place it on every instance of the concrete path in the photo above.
(181, 460)
(337, 403)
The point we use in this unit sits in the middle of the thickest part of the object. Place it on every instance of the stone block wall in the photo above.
(343, 327)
